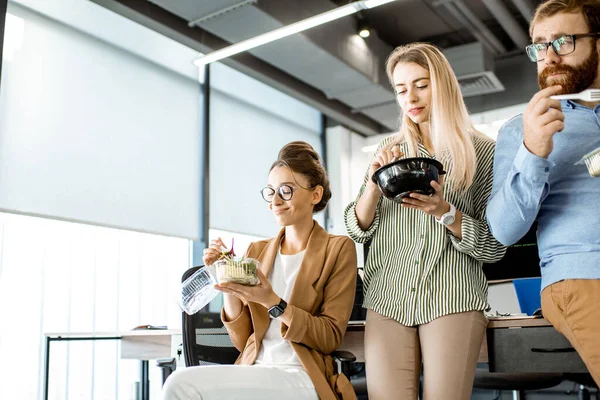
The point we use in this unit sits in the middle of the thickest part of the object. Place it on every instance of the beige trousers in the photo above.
(573, 307)
(448, 349)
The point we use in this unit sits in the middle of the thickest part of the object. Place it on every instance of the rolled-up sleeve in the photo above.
(520, 185)
(353, 228)
(351, 220)
(477, 239)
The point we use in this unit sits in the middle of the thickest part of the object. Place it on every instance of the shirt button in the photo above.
(417, 262)
(413, 290)
(546, 169)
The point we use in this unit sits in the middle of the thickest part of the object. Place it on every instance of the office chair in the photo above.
(517, 383)
(204, 342)
(585, 382)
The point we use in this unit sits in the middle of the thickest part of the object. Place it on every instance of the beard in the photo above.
(575, 79)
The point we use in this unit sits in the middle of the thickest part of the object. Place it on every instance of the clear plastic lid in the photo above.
(592, 162)
(197, 291)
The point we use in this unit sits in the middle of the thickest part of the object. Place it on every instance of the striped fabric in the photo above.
(416, 269)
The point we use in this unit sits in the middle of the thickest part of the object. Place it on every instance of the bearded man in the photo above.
(537, 177)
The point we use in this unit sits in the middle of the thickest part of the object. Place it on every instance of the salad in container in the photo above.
(242, 270)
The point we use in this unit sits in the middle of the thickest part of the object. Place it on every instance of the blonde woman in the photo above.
(425, 291)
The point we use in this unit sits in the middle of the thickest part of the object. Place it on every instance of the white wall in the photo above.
(250, 123)
(490, 122)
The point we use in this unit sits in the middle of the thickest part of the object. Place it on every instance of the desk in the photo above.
(516, 345)
(140, 345)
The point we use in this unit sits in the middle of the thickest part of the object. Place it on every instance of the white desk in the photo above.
(143, 345)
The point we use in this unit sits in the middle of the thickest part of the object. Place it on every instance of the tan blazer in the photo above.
(321, 302)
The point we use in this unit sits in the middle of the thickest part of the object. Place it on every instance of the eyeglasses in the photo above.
(285, 192)
(562, 46)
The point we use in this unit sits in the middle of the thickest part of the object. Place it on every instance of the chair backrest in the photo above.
(205, 340)
(358, 312)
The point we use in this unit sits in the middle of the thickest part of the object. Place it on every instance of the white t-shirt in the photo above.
(275, 350)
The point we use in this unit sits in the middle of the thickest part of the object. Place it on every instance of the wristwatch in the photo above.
(448, 218)
(278, 309)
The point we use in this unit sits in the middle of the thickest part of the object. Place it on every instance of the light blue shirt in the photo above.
(561, 196)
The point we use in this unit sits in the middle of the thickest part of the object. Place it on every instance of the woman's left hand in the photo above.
(434, 205)
(262, 293)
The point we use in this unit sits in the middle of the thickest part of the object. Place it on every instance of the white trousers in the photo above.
(248, 382)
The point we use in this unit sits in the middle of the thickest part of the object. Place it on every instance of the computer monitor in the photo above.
(520, 261)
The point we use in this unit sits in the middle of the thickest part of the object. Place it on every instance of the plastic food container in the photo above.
(592, 162)
(237, 270)
(198, 290)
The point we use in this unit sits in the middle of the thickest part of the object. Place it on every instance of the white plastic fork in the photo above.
(586, 95)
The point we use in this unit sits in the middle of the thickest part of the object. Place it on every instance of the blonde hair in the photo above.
(450, 126)
(589, 8)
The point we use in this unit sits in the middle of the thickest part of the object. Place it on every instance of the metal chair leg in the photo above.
(518, 395)
(584, 393)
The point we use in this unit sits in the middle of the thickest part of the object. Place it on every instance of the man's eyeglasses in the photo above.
(285, 192)
(562, 46)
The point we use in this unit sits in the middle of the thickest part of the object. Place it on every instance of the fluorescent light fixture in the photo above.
(288, 30)
(375, 3)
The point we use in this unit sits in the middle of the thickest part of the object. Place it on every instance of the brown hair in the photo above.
(589, 8)
(302, 158)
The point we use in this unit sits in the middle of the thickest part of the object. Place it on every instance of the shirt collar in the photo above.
(573, 105)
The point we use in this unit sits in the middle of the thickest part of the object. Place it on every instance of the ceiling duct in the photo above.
(474, 68)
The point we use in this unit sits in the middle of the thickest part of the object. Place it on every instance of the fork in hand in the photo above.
(586, 95)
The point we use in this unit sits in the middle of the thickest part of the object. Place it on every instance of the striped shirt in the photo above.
(416, 270)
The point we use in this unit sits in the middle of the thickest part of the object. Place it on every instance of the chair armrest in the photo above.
(343, 356)
(167, 365)
(168, 362)
(343, 359)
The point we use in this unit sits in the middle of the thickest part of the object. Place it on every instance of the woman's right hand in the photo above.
(232, 304)
(213, 252)
(385, 157)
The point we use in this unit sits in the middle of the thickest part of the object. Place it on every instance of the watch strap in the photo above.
(451, 212)
(278, 309)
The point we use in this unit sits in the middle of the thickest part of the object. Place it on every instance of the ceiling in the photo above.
(333, 69)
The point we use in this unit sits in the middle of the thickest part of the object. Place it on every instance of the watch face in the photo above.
(276, 311)
(448, 220)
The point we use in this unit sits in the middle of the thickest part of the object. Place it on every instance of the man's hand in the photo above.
(542, 118)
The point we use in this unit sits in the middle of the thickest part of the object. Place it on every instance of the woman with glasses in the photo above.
(425, 290)
(286, 326)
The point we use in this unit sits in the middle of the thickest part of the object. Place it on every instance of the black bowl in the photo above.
(398, 179)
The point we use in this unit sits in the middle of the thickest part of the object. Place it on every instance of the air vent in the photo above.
(220, 12)
(479, 83)
(474, 68)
